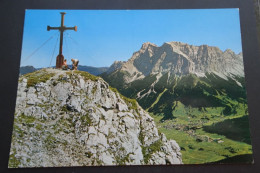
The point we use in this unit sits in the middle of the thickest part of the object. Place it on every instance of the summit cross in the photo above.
(62, 28)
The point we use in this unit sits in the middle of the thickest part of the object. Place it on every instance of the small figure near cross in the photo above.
(62, 28)
(75, 63)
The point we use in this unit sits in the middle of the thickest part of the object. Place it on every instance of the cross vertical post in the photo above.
(62, 28)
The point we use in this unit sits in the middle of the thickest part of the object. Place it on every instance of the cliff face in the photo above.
(179, 59)
(75, 119)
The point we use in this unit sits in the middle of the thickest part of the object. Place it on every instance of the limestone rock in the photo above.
(177, 58)
(75, 119)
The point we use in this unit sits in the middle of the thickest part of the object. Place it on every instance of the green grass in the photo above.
(86, 121)
(149, 150)
(122, 160)
(26, 119)
(236, 129)
(13, 161)
(198, 112)
(37, 77)
(50, 142)
(94, 90)
(158, 98)
(132, 103)
(192, 125)
(86, 75)
(196, 151)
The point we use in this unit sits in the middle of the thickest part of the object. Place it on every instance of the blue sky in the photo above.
(105, 36)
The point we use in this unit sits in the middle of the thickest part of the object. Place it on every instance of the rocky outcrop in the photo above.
(76, 119)
(179, 59)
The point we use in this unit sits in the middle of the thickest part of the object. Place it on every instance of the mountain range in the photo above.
(89, 69)
(174, 67)
(192, 92)
(178, 59)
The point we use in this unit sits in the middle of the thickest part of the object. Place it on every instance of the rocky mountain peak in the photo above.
(179, 58)
(230, 52)
(72, 118)
(175, 43)
(148, 44)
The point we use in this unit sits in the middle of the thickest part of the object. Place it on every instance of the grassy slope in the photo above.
(200, 146)
(192, 111)
(208, 118)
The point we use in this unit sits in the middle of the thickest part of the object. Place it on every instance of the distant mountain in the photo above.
(89, 69)
(196, 76)
(92, 70)
(196, 94)
(178, 58)
(115, 66)
(27, 69)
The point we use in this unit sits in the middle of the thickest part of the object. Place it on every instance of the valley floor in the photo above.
(208, 138)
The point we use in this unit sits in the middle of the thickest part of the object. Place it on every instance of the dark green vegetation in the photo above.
(149, 150)
(20, 133)
(236, 129)
(246, 158)
(86, 75)
(207, 116)
(92, 70)
(130, 102)
(200, 146)
(211, 91)
(13, 162)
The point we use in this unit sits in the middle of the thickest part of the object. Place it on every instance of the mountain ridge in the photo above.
(159, 77)
(92, 70)
(180, 59)
(194, 93)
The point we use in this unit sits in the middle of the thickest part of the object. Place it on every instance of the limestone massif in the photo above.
(188, 90)
(159, 77)
(179, 59)
(71, 118)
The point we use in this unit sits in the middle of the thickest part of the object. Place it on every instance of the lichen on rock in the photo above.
(75, 119)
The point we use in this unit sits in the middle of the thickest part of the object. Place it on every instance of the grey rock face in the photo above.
(179, 59)
(74, 119)
(116, 65)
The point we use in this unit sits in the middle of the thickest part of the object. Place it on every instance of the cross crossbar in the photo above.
(62, 28)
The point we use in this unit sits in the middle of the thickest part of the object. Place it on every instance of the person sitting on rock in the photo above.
(75, 63)
(64, 65)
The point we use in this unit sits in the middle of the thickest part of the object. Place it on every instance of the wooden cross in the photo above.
(62, 28)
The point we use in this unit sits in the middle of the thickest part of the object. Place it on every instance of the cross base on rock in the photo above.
(59, 61)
